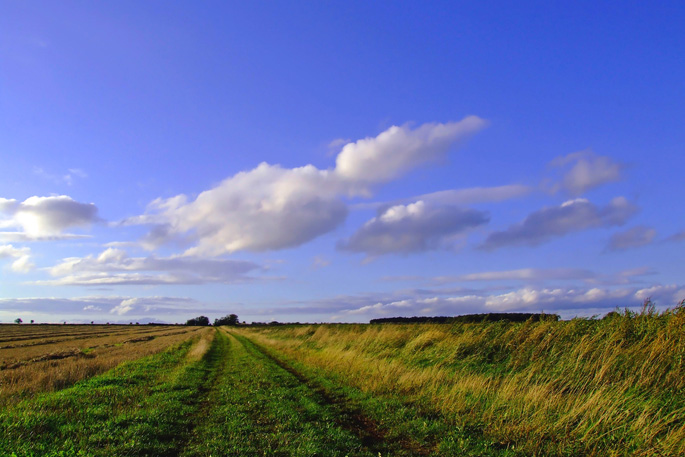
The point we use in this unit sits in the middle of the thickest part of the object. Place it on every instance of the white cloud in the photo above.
(537, 299)
(57, 309)
(115, 267)
(271, 208)
(45, 218)
(263, 209)
(572, 216)
(669, 294)
(568, 301)
(125, 306)
(412, 228)
(7, 205)
(632, 238)
(22, 257)
(399, 149)
(585, 170)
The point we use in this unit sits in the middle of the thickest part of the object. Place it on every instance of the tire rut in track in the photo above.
(349, 416)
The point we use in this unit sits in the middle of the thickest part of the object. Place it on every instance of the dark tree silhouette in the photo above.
(198, 321)
(231, 319)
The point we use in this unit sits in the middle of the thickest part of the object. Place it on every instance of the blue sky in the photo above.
(339, 161)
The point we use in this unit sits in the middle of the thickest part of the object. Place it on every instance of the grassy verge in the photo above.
(614, 386)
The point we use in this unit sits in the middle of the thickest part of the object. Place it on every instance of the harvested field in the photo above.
(36, 358)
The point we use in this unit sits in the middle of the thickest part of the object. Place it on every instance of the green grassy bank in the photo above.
(612, 386)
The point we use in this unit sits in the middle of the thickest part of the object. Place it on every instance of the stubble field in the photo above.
(612, 386)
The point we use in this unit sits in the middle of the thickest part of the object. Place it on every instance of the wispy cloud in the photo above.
(680, 236)
(115, 267)
(572, 216)
(632, 238)
(102, 306)
(456, 197)
(21, 257)
(584, 170)
(66, 178)
(522, 274)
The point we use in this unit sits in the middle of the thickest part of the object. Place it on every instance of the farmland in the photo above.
(612, 386)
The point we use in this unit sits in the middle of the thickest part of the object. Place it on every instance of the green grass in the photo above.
(235, 400)
(145, 407)
(257, 408)
(612, 386)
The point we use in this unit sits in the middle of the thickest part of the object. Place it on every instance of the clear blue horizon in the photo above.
(339, 161)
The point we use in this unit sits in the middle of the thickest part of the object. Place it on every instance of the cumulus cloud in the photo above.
(40, 218)
(22, 257)
(572, 216)
(125, 306)
(115, 267)
(585, 170)
(263, 209)
(271, 207)
(669, 294)
(632, 238)
(412, 228)
(400, 149)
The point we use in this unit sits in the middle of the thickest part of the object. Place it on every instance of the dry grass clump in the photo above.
(62, 365)
(585, 386)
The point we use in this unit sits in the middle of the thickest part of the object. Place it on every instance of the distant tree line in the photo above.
(231, 319)
(469, 318)
(198, 321)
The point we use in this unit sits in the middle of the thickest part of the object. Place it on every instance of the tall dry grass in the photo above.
(614, 386)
